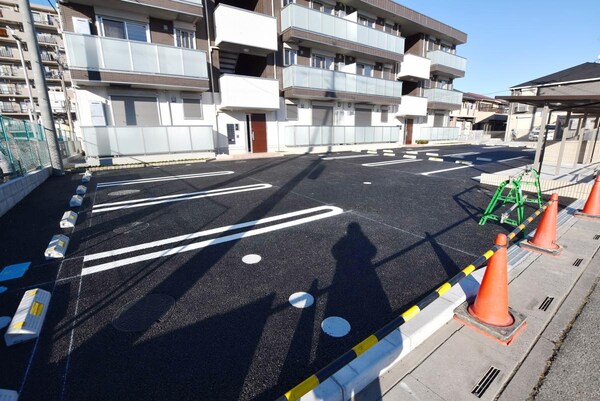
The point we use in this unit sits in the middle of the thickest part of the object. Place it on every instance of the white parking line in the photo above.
(330, 211)
(483, 159)
(432, 154)
(387, 163)
(107, 207)
(462, 154)
(347, 157)
(447, 169)
(513, 158)
(420, 151)
(160, 179)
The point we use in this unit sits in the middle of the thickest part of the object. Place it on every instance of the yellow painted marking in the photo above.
(522, 226)
(302, 388)
(412, 312)
(61, 243)
(512, 235)
(444, 288)
(488, 254)
(365, 345)
(18, 325)
(468, 270)
(36, 309)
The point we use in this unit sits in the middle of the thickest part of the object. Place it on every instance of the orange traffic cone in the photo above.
(491, 303)
(544, 240)
(592, 206)
(490, 314)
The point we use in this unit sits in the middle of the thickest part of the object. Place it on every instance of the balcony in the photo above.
(414, 68)
(47, 39)
(6, 52)
(447, 63)
(127, 141)
(313, 27)
(242, 92)
(315, 82)
(412, 106)
(95, 58)
(257, 34)
(443, 99)
(312, 135)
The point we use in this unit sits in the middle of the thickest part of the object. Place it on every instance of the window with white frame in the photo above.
(122, 29)
(366, 21)
(364, 69)
(289, 57)
(323, 62)
(185, 38)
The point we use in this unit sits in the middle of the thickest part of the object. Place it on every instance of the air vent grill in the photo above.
(577, 262)
(546, 304)
(485, 382)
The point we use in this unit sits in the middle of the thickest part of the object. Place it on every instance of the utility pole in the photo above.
(40, 82)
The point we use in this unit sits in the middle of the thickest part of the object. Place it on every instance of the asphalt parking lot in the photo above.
(177, 280)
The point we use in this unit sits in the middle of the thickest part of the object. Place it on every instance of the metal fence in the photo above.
(439, 133)
(23, 147)
(309, 135)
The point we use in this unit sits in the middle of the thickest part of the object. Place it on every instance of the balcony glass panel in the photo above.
(101, 53)
(443, 96)
(295, 16)
(447, 59)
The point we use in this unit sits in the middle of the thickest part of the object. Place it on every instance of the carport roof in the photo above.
(575, 103)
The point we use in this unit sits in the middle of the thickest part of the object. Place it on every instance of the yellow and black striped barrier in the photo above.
(313, 381)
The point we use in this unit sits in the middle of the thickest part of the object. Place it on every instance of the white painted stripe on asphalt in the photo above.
(347, 157)
(331, 211)
(106, 207)
(163, 178)
(444, 170)
(432, 154)
(513, 158)
(483, 159)
(387, 163)
(412, 152)
(421, 151)
(463, 154)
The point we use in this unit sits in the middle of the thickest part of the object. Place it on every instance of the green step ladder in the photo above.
(515, 197)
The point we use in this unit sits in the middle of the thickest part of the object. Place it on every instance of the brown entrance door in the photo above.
(409, 127)
(258, 123)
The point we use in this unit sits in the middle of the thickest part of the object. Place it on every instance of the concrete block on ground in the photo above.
(76, 201)
(57, 248)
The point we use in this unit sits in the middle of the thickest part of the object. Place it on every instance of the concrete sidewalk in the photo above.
(456, 363)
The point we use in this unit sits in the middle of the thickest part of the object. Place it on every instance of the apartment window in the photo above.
(430, 44)
(388, 72)
(324, 8)
(185, 39)
(364, 69)
(289, 57)
(135, 110)
(286, 2)
(322, 115)
(384, 114)
(392, 29)
(125, 30)
(366, 21)
(192, 109)
(291, 112)
(323, 62)
(362, 117)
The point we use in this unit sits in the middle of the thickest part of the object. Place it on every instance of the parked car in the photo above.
(535, 133)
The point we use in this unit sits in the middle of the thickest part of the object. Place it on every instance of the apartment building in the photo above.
(237, 76)
(480, 113)
(14, 92)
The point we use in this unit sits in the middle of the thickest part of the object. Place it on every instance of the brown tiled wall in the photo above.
(70, 10)
(161, 31)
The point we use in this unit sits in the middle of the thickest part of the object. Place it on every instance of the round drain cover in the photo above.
(301, 300)
(141, 314)
(124, 192)
(131, 227)
(335, 326)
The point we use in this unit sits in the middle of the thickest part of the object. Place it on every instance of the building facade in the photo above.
(237, 76)
(480, 113)
(14, 91)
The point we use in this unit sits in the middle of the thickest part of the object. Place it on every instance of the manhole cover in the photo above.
(141, 314)
(131, 227)
(124, 192)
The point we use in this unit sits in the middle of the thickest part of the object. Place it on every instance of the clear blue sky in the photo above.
(514, 41)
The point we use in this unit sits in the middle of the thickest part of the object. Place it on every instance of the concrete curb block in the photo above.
(410, 156)
(76, 201)
(69, 219)
(436, 159)
(384, 355)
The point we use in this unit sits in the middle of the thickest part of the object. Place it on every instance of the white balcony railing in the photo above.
(440, 57)
(314, 135)
(106, 141)
(439, 133)
(295, 16)
(334, 81)
(245, 28)
(444, 96)
(242, 92)
(101, 53)
(412, 106)
(415, 66)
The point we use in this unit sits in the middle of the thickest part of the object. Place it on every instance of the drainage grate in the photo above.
(577, 262)
(597, 236)
(544, 306)
(485, 382)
